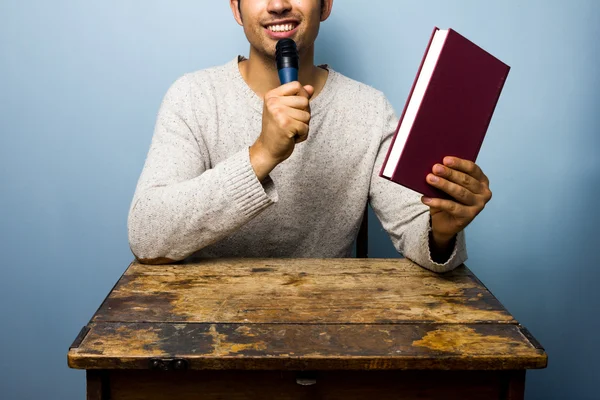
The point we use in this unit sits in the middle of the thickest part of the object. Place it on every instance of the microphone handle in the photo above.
(287, 75)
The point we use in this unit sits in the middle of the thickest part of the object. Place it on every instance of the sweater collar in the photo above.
(316, 104)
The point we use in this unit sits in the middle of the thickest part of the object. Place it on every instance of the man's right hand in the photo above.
(286, 116)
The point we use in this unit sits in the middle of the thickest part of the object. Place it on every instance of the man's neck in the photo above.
(260, 72)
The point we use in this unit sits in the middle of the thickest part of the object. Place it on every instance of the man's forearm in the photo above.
(175, 220)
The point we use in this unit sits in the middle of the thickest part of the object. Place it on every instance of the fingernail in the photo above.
(426, 200)
(438, 169)
(449, 161)
(433, 178)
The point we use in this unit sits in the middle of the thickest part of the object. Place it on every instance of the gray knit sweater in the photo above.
(198, 195)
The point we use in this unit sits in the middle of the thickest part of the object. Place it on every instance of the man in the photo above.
(241, 166)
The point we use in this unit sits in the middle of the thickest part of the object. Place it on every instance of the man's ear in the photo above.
(235, 9)
(326, 9)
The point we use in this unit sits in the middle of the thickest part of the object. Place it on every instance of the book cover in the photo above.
(448, 110)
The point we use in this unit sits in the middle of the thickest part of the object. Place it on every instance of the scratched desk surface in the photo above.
(321, 314)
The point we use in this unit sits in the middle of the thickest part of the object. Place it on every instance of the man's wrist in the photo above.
(441, 247)
(261, 163)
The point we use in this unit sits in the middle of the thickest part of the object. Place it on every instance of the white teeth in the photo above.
(281, 28)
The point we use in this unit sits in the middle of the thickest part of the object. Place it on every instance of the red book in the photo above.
(448, 110)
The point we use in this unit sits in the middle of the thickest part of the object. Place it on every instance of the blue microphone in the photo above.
(287, 58)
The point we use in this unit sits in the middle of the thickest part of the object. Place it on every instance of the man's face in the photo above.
(265, 22)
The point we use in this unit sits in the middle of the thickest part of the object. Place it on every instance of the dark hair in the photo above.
(240, 5)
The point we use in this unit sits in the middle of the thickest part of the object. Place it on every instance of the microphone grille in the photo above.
(287, 48)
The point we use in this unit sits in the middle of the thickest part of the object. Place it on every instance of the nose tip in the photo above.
(279, 6)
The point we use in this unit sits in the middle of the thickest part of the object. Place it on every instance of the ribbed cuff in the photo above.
(419, 251)
(243, 187)
(458, 256)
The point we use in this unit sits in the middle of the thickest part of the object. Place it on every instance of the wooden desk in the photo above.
(303, 329)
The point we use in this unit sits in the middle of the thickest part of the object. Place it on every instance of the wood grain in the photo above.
(300, 291)
(303, 314)
(298, 347)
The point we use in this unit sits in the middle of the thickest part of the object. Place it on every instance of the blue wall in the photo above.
(80, 85)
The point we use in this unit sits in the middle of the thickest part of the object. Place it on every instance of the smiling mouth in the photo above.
(282, 27)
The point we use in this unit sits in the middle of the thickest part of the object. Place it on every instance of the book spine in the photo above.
(435, 29)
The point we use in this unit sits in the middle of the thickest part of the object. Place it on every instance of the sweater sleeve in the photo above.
(401, 212)
(182, 203)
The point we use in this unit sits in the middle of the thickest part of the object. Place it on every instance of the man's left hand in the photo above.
(464, 181)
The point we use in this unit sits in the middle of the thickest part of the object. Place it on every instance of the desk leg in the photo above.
(97, 385)
(513, 385)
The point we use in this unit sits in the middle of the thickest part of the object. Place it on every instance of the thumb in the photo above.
(310, 90)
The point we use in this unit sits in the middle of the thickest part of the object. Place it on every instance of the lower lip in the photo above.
(281, 35)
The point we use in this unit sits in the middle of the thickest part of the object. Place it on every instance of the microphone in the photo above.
(287, 58)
